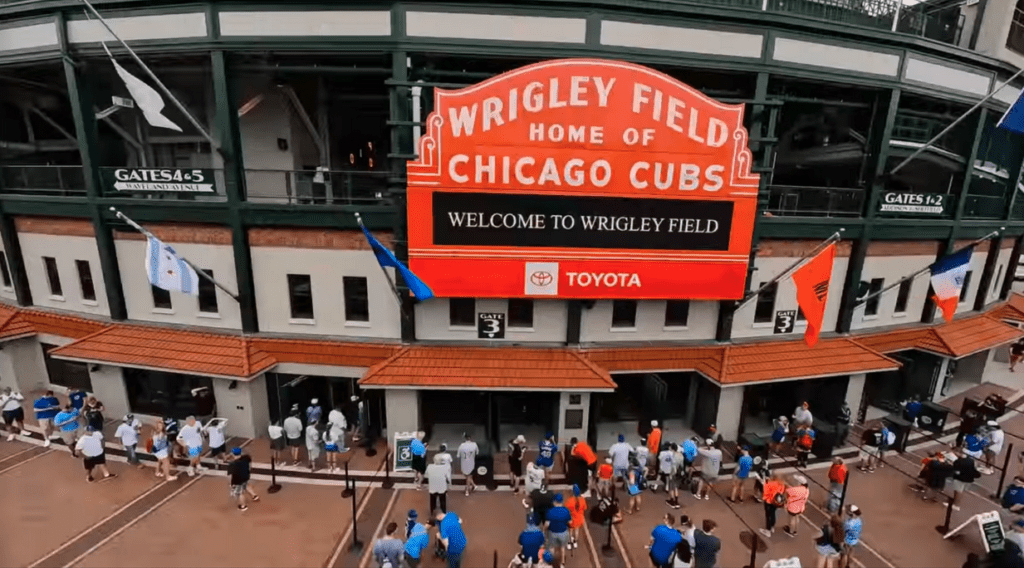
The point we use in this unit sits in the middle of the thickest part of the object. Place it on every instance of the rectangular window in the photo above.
(764, 311)
(871, 307)
(160, 393)
(903, 295)
(998, 280)
(161, 298)
(207, 294)
(66, 373)
(800, 314)
(357, 299)
(966, 287)
(85, 280)
(300, 296)
(461, 312)
(52, 276)
(520, 313)
(624, 313)
(677, 313)
(4, 270)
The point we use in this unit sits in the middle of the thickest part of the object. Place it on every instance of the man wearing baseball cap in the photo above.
(238, 476)
(852, 528)
(91, 447)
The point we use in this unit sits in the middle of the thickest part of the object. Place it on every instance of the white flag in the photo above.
(167, 270)
(150, 102)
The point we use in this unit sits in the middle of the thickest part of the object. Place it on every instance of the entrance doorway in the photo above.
(670, 398)
(284, 390)
(765, 402)
(491, 418)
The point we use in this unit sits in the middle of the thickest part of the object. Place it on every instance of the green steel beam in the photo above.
(1011, 268)
(227, 134)
(15, 261)
(401, 143)
(987, 274)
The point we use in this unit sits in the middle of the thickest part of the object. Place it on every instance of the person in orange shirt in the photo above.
(577, 506)
(837, 478)
(796, 502)
(774, 499)
(654, 440)
(583, 451)
(604, 478)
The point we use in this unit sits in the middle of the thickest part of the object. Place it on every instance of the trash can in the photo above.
(824, 439)
(901, 428)
(483, 475)
(932, 417)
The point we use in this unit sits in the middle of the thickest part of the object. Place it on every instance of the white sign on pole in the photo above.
(991, 527)
(403, 451)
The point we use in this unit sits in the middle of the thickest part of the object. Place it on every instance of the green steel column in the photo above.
(1015, 176)
(1011, 268)
(985, 283)
(80, 95)
(15, 262)
(928, 314)
(401, 148)
(878, 156)
(727, 308)
(227, 134)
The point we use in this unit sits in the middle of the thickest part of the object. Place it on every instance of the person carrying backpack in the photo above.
(804, 442)
(774, 499)
(830, 543)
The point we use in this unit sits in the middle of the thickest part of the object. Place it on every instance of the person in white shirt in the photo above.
(312, 445)
(439, 477)
(446, 458)
(91, 447)
(128, 432)
(996, 437)
(337, 423)
(534, 477)
(191, 439)
(161, 451)
(467, 453)
(619, 452)
(277, 442)
(12, 412)
(214, 431)
(293, 431)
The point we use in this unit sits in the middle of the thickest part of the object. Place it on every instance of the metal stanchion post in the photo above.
(495, 559)
(842, 498)
(607, 549)
(1002, 474)
(357, 545)
(387, 484)
(944, 528)
(274, 485)
(349, 490)
(753, 550)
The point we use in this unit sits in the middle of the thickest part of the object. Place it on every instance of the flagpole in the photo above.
(869, 297)
(202, 274)
(174, 100)
(837, 236)
(960, 119)
(398, 296)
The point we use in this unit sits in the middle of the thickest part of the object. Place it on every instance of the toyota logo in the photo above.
(541, 278)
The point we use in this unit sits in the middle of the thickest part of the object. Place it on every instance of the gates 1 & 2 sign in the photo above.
(582, 178)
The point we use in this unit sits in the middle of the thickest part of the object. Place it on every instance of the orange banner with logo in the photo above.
(812, 283)
(582, 178)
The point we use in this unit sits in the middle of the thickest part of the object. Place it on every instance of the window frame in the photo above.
(629, 306)
(349, 298)
(903, 292)
(458, 308)
(157, 294)
(85, 280)
(871, 306)
(5, 271)
(671, 319)
(966, 288)
(516, 323)
(767, 297)
(210, 290)
(53, 277)
(294, 281)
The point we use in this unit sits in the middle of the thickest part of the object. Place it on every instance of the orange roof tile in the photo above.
(795, 360)
(507, 368)
(705, 360)
(311, 352)
(12, 325)
(1012, 309)
(922, 339)
(178, 351)
(970, 335)
(60, 324)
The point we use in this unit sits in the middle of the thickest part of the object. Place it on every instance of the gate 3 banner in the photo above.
(582, 178)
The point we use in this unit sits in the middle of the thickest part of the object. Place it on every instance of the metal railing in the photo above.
(795, 201)
(984, 206)
(63, 181)
(919, 129)
(316, 188)
(945, 26)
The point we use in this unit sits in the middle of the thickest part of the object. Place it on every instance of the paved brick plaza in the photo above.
(53, 518)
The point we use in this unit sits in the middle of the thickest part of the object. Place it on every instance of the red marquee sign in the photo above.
(582, 178)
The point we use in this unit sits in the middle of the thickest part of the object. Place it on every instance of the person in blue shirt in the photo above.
(531, 540)
(411, 522)
(66, 422)
(974, 445)
(452, 538)
(664, 540)
(1013, 497)
(77, 398)
(852, 528)
(417, 542)
(46, 408)
(419, 458)
(689, 457)
(743, 467)
(780, 432)
(557, 522)
(912, 409)
(548, 449)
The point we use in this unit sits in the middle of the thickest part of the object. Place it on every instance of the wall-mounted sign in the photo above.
(914, 203)
(582, 178)
(490, 326)
(403, 451)
(785, 321)
(163, 179)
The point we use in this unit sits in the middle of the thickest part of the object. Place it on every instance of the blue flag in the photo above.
(386, 258)
(1014, 117)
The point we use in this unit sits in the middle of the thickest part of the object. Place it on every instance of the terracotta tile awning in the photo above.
(775, 360)
(334, 353)
(704, 360)
(1012, 310)
(177, 351)
(16, 323)
(956, 339)
(12, 325)
(922, 339)
(488, 368)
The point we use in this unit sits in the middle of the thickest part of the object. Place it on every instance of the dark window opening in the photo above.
(66, 373)
(966, 287)
(159, 393)
(53, 276)
(903, 296)
(300, 296)
(520, 313)
(4, 270)
(764, 311)
(357, 300)
(677, 313)
(871, 306)
(85, 280)
(207, 294)
(999, 277)
(461, 312)
(161, 298)
(624, 313)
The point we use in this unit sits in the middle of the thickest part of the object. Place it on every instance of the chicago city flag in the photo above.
(1014, 117)
(167, 270)
(812, 281)
(150, 102)
(948, 280)
(386, 258)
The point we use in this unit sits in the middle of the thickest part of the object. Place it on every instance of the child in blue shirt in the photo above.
(66, 422)
(417, 542)
(743, 467)
(548, 449)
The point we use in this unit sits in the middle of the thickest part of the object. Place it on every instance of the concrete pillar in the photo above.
(855, 393)
(730, 410)
(108, 387)
(28, 365)
(403, 411)
(571, 415)
(241, 402)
